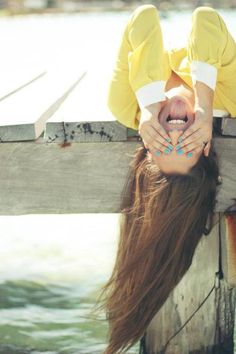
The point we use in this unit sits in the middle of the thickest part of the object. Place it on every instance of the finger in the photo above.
(155, 152)
(188, 133)
(161, 131)
(160, 147)
(190, 140)
(196, 151)
(156, 140)
(145, 144)
(207, 148)
(190, 147)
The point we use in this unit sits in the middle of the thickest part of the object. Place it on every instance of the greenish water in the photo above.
(53, 318)
(51, 269)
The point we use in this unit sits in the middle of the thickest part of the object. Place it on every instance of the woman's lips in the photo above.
(176, 114)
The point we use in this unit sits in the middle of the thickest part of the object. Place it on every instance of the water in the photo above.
(53, 265)
(51, 268)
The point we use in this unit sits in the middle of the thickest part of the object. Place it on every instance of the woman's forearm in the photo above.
(203, 96)
(154, 108)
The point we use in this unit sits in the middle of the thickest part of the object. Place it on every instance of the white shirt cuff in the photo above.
(203, 72)
(151, 93)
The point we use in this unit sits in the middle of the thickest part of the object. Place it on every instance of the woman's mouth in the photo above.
(176, 121)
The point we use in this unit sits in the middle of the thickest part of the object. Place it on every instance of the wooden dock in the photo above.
(62, 153)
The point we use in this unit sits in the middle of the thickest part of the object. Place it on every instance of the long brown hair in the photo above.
(162, 220)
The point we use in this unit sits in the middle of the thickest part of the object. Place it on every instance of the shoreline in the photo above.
(108, 6)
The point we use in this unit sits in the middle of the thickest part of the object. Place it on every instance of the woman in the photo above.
(169, 197)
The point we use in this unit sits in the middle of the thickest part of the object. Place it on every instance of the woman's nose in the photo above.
(174, 135)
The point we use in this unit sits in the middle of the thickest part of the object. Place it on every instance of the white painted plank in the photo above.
(85, 114)
(89, 100)
(23, 114)
(16, 78)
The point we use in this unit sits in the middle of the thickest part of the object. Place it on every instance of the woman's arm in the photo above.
(198, 136)
(206, 45)
(203, 96)
(204, 110)
(141, 69)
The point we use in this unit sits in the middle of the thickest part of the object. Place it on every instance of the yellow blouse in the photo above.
(143, 66)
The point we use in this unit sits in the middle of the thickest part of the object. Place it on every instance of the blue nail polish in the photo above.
(168, 139)
(180, 139)
(170, 147)
(189, 154)
(167, 151)
(180, 152)
(158, 153)
(178, 147)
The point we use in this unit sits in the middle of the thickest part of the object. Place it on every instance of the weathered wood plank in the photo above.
(226, 151)
(211, 329)
(45, 178)
(228, 247)
(84, 116)
(183, 301)
(23, 115)
(228, 126)
(39, 178)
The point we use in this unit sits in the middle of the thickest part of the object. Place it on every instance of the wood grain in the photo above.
(23, 114)
(38, 177)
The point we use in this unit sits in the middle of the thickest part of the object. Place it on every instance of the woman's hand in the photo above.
(152, 133)
(198, 136)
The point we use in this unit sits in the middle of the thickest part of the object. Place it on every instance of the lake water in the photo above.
(52, 265)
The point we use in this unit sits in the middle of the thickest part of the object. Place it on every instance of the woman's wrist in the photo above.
(154, 108)
(150, 111)
(203, 97)
(205, 113)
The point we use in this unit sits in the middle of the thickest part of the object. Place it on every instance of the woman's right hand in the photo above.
(152, 133)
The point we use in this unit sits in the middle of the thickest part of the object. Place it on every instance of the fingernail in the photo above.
(158, 153)
(180, 140)
(178, 147)
(189, 154)
(167, 151)
(170, 147)
(180, 152)
(168, 139)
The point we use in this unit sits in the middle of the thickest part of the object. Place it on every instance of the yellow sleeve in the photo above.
(141, 69)
(147, 64)
(206, 45)
(208, 38)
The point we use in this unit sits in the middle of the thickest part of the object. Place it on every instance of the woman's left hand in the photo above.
(199, 134)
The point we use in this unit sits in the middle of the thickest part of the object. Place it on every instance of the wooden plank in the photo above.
(211, 329)
(23, 115)
(228, 126)
(225, 126)
(228, 246)
(15, 79)
(84, 116)
(183, 301)
(39, 178)
(226, 151)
